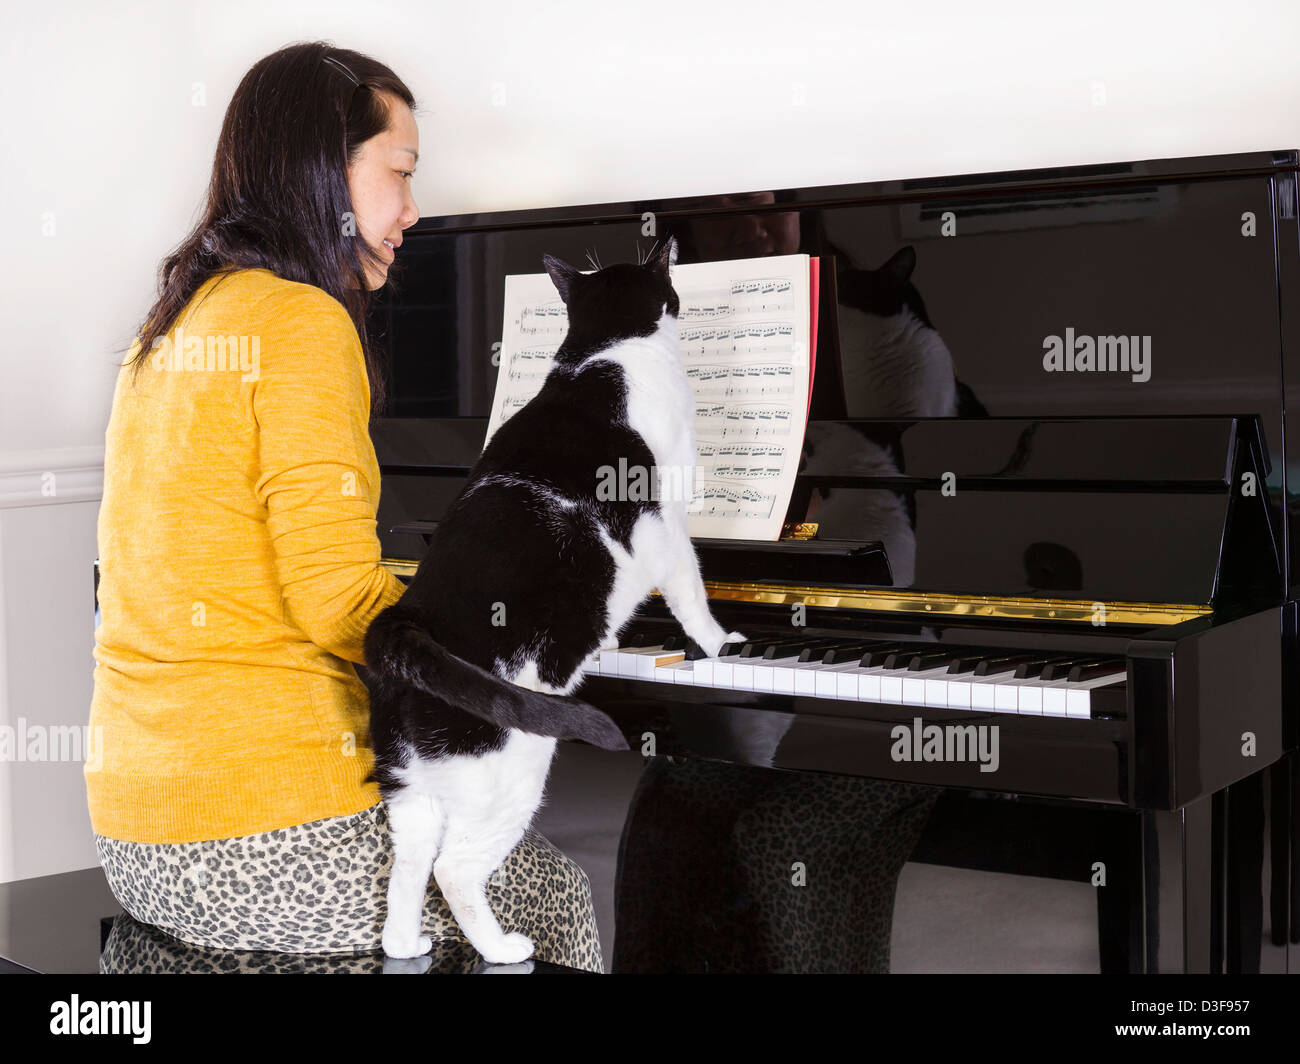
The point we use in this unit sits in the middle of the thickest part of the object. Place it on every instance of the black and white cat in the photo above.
(529, 572)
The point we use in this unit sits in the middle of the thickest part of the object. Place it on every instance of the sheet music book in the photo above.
(748, 334)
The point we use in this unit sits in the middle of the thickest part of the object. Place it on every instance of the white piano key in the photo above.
(682, 672)
(648, 664)
(831, 679)
(766, 673)
(1010, 694)
(784, 676)
(915, 686)
(609, 662)
(1006, 698)
(631, 660)
(1078, 700)
(791, 676)
(983, 689)
(805, 677)
(1030, 700)
(1054, 698)
(857, 682)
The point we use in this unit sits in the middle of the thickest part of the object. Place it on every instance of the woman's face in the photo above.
(380, 182)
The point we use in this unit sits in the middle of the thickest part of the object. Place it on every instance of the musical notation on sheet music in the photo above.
(744, 327)
(765, 339)
(764, 296)
(748, 380)
(719, 501)
(746, 421)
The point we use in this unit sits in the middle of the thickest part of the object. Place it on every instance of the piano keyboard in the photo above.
(980, 680)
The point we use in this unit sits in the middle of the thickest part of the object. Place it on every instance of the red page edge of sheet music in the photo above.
(814, 272)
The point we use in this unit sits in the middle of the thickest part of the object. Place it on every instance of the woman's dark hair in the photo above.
(278, 198)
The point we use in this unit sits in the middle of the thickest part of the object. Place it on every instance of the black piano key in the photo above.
(755, 648)
(990, 664)
(930, 659)
(876, 658)
(731, 650)
(645, 637)
(1030, 669)
(1060, 670)
(1102, 668)
(817, 650)
(694, 651)
(1051, 669)
(790, 648)
(900, 659)
(965, 663)
(676, 641)
(849, 652)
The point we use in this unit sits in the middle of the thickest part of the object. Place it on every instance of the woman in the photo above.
(239, 562)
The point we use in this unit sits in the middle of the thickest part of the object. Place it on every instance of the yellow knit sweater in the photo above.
(239, 570)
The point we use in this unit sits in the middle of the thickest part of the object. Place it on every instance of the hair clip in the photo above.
(341, 66)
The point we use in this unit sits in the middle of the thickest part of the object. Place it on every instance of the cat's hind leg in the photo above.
(416, 825)
(483, 826)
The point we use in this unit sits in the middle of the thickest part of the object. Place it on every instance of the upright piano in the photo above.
(1040, 548)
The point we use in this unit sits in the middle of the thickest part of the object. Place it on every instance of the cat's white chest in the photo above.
(660, 403)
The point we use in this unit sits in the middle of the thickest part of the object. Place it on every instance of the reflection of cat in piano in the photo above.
(896, 366)
(530, 571)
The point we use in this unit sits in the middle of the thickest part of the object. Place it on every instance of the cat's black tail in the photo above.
(397, 647)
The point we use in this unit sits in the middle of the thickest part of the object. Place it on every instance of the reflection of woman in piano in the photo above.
(704, 881)
(239, 562)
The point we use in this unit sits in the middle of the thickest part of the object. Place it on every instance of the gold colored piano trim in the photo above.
(938, 604)
(399, 566)
(929, 602)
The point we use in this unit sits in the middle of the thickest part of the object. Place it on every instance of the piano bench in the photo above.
(130, 947)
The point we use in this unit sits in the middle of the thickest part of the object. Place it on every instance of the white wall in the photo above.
(112, 111)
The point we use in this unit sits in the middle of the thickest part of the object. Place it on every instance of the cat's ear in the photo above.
(665, 257)
(902, 263)
(562, 274)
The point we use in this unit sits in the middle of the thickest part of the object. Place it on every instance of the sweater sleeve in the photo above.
(311, 404)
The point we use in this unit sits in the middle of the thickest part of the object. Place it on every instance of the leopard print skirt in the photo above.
(322, 888)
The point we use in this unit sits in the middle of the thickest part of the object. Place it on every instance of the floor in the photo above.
(945, 919)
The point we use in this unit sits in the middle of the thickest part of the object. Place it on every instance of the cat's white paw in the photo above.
(511, 949)
(404, 946)
(721, 640)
